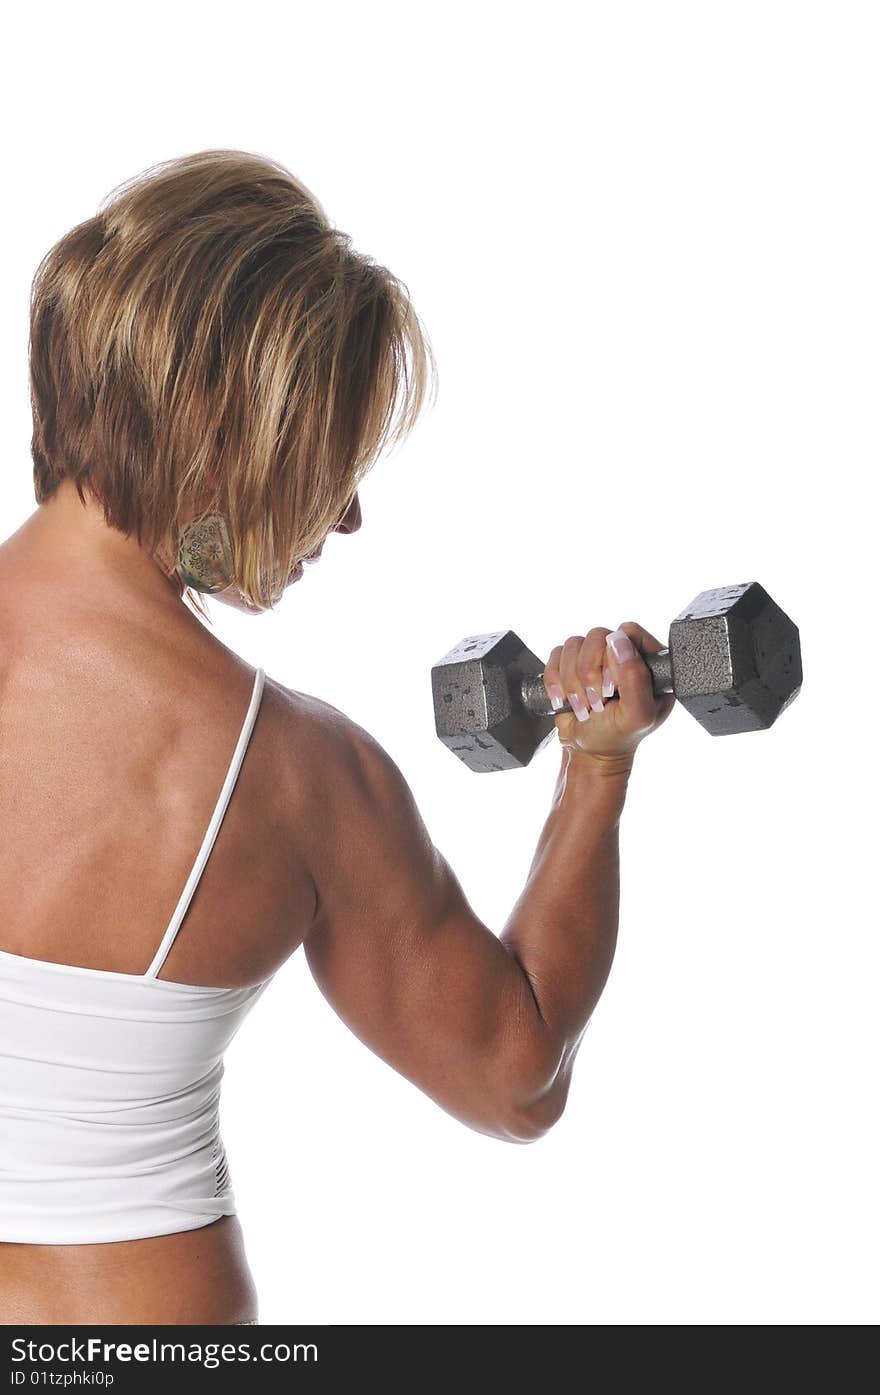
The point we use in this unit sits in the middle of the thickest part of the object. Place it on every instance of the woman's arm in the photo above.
(488, 1026)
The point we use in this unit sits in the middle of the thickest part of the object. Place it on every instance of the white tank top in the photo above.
(110, 1087)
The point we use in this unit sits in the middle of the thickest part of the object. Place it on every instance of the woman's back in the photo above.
(121, 726)
(120, 716)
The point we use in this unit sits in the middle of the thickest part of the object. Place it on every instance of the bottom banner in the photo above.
(268, 1357)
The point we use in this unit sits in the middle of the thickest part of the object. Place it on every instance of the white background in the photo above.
(644, 241)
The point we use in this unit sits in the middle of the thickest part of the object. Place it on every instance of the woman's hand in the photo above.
(586, 671)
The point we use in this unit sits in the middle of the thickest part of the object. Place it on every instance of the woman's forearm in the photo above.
(563, 929)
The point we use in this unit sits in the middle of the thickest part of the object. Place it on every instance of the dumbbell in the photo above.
(734, 661)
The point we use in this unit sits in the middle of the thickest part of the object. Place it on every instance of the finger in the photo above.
(642, 638)
(581, 667)
(591, 667)
(624, 649)
(569, 681)
(552, 679)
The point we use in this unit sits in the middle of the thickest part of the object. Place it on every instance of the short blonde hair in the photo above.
(209, 336)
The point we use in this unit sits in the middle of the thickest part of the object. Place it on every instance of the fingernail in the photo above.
(556, 698)
(595, 701)
(578, 708)
(621, 646)
(607, 684)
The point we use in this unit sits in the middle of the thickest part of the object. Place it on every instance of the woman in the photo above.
(213, 370)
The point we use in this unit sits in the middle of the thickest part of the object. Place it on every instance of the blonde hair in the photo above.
(208, 336)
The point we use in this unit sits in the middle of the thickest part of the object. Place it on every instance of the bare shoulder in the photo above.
(323, 729)
(331, 752)
(329, 740)
(344, 781)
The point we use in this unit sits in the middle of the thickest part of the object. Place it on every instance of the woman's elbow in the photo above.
(529, 1123)
(529, 1113)
(522, 1094)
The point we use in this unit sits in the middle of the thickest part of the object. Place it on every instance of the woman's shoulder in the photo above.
(329, 756)
(315, 722)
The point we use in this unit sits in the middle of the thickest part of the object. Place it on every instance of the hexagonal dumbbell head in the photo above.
(478, 707)
(736, 659)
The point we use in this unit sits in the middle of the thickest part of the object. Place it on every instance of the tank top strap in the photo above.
(213, 828)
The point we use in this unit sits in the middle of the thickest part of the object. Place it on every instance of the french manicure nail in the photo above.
(595, 701)
(556, 698)
(620, 645)
(578, 708)
(607, 684)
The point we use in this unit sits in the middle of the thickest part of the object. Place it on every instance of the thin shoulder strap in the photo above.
(213, 828)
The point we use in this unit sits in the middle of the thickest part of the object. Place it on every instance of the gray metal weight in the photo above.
(733, 661)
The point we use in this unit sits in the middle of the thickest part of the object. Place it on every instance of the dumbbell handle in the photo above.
(536, 699)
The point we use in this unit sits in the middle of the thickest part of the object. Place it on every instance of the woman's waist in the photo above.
(192, 1276)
